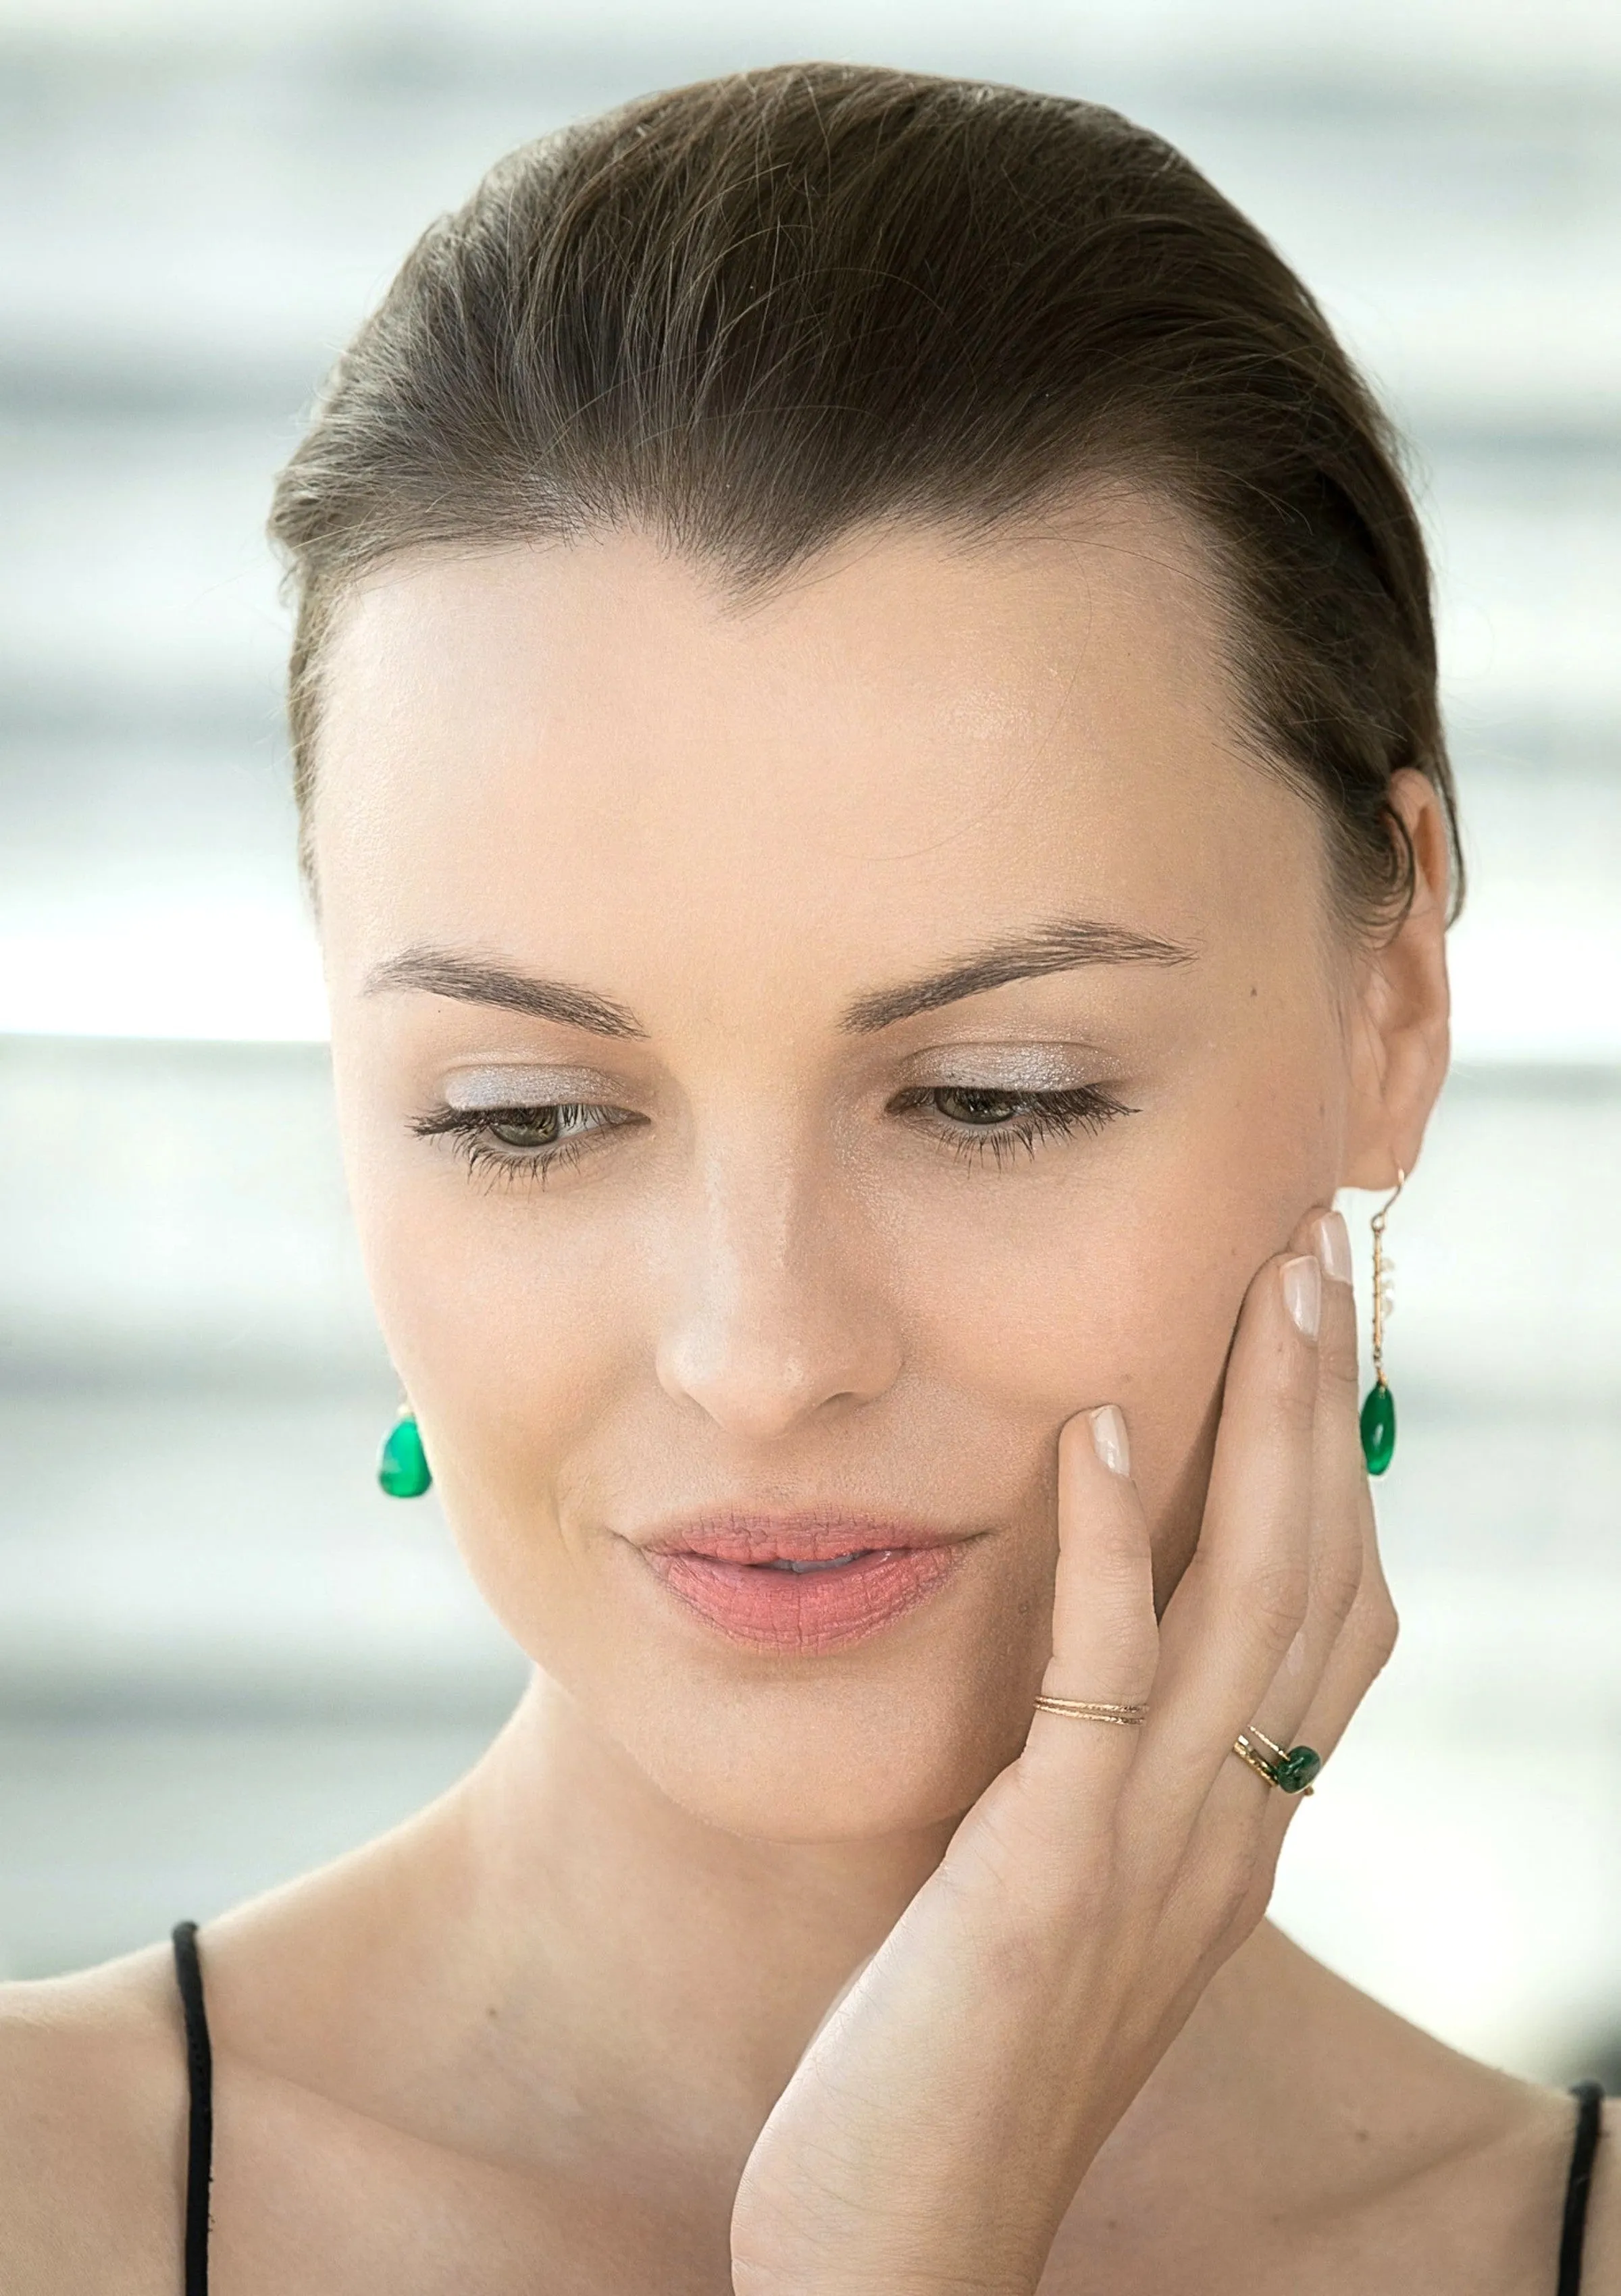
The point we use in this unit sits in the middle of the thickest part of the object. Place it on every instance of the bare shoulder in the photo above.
(1451, 2173)
(1534, 2156)
(1463, 2177)
(92, 2131)
(1363, 2153)
(1508, 2181)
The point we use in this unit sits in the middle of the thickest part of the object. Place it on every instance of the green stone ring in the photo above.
(1291, 1771)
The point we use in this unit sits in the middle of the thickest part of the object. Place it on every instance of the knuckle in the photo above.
(1128, 1648)
(1275, 1598)
(1237, 1885)
(1245, 1868)
(1382, 1628)
(1339, 1583)
(1370, 1633)
(1247, 1907)
(1294, 1401)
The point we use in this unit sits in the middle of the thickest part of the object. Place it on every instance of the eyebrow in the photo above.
(1061, 946)
(475, 980)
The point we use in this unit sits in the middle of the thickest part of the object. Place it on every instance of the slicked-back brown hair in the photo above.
(753, 314)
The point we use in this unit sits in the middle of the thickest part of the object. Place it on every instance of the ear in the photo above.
(1399, 1022)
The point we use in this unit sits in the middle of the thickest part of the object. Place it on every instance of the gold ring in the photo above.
(1088, 1709)
(1290, 1772)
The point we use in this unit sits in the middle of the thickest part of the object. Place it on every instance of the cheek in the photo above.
(1128, 1301)
(507, 1332)
(499, 1338)
(514, 1353)
(1121, 1279)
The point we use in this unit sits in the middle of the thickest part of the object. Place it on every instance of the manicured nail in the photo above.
(1109, 1439)
(1334, 1247)
(1302, 1294)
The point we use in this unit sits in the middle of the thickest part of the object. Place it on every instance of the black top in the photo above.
(200, 2141)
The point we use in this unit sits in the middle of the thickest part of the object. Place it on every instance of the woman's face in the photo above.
(791, 1056)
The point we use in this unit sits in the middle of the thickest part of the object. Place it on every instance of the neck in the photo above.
(666, 1976)
(667, 1959)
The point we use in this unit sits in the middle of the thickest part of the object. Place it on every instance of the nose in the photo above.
(777, 1309)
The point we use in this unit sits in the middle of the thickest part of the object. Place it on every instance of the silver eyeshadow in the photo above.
(525, 1087)
(962, 1066)
(1007, 1067)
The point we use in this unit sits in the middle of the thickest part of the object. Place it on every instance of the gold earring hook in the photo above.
(1377, 1222)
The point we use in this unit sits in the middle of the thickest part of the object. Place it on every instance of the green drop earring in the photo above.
(1379, 1421)
(402, 1463)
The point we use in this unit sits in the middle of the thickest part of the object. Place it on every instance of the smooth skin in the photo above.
(770, 1971)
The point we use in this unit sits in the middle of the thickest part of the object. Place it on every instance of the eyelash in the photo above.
(1046, 1116)
(472, 1133)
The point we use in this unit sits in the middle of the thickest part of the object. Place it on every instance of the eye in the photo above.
(964, 1106)
(527, 1128)
(987, 1120)
(517, 1143)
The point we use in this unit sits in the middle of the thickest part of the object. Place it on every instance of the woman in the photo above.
(866, 722)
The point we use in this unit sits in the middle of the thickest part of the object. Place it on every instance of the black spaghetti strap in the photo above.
(1590, 2110)
(200, 2135)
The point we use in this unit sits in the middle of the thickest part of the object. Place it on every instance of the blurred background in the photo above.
(222, 1655)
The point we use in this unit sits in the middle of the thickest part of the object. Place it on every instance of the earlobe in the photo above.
(1400, 1039)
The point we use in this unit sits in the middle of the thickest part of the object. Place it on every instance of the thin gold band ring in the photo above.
(1092, 1710)
(1246, 1753)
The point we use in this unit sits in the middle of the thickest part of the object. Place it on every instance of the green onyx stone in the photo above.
(402, 1469)
(1298, 1768)
(1379, 1428)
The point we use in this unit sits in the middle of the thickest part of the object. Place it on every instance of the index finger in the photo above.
(1105, 1635)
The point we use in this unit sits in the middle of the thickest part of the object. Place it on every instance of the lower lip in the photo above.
(807, 1611)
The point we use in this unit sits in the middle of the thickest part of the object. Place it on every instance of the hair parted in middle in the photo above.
(749, 315)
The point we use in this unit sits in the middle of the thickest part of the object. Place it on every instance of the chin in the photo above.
(898, 1736)
(830, 1787)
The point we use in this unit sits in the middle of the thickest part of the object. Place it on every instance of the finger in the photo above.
(1360, 1651)
(1360, 1654)
(1342, 1513)
(1243, 1597)
(1104, 1637)
(1340, 1544)
(1364, 1643)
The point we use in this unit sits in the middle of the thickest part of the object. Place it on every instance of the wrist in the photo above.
(872, 2268)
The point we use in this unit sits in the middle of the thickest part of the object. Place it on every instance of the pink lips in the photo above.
(798, 1583)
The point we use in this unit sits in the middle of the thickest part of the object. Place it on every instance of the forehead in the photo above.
(908, 734)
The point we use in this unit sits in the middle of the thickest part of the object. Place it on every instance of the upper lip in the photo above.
(738, 1535)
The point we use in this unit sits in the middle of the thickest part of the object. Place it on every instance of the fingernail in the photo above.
(1109, 1439)
(1302, 1294)
(1334, 1247)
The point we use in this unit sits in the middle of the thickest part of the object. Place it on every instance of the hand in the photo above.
(937, 2129)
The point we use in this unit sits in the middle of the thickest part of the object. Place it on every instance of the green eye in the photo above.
(524, 1141)
(526, 1128)
(983, 1123)
(964, 1106)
